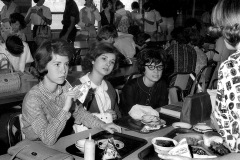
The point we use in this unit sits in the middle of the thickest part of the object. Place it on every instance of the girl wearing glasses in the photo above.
(150, 89)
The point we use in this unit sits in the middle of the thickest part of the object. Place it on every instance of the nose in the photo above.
(64, 69)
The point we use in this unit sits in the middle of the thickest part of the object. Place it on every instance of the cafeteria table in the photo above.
(67, 141)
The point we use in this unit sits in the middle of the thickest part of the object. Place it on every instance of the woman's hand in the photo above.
(113, 113)
(111, 127)
(170, 157)
(69, 96)
(33, 10)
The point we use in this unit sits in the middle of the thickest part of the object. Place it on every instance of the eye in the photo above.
(112, 62)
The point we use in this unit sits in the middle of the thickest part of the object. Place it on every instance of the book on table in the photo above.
(173, 110)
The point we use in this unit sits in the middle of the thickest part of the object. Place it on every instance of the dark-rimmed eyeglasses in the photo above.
(152, 67)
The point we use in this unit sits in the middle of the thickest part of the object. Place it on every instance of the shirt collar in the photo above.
(49, 94)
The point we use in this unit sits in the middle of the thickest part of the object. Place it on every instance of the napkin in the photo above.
(137, 111)
(79, 128)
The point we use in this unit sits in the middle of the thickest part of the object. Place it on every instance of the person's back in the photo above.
(183, 57)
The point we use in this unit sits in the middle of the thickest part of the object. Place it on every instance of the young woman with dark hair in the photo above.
(101, 60)
(49, 107)
(17, 23)
(150, 89)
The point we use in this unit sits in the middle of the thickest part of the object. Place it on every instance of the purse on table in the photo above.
(36, 150)
(9, 80)
(196, 107)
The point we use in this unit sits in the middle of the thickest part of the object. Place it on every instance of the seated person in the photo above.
(195, 40)
(17, 52)
(182, 56)
(100, 62)
(17, 23)
(123, 43)
(150, 89)
(49, 107)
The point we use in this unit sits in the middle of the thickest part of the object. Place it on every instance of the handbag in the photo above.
(43, 33)
(196, 107)
(9, 80)
(36, 150)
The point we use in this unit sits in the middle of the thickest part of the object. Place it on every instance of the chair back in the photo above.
(206, 75)
(14, 127)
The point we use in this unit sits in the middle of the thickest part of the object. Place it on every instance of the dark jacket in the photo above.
(104, 20)
(136, 92)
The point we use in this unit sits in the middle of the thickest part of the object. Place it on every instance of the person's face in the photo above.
(57, 70)
(41, 2)
(153, 72)
(104, 63)
(15, 26)
(89, 2)
(110, 5)
(109, 40)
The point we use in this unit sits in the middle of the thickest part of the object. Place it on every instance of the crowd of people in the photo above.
(50, 109)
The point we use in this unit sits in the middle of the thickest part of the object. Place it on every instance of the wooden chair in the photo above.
(14, 131)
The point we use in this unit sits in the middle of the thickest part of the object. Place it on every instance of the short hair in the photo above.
(135, 5)
(36, 1)
(118, 3)
(225, 18)
(151, 55)
(96, 50)
(178, 35)
(193, 36)
(14, 45)
(44, 54)
(194, 23)
(107, 32)
(14, 17)
(105, 3)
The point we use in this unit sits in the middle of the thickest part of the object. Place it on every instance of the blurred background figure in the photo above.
(70, 19)
(88, 15)
(107, 14)
(136, 15)
(17, 23)
(8, 8)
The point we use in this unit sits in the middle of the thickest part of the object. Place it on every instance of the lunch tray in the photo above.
(131, 144)
(149, 153)
(134, 125)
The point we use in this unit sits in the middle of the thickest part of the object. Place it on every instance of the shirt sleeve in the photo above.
(81, 23)
(97, 15)
(127, 99)
(47, 130)
(48, 14)
(86, 118)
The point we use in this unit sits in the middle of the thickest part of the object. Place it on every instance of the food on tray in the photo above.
(102, 143)
(181, 149)
(198, 150)
(192, 138)
(210, 137)
(164, 143)
(219, 148)
(150, 119)
(110, 151)
(202, 127)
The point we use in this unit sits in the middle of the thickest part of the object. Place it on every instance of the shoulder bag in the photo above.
(9, 80)
(43, 33)
(196, 107)
(36, 150)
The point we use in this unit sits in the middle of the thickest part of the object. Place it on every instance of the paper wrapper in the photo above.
(81, 91)
(181, 149)
(110, 151)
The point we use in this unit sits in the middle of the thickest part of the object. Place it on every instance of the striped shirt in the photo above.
(43, 118)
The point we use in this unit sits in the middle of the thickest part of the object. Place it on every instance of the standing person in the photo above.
(17, 23)
(107, 15)
(38, 15)
(168, 11)
(225, 17)
(100, 62)
(70, 18)
(136, 16)
(49, 106)
(151, 19)
(8, 8)
(88, 15)
(123, 18)
(150, 89)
